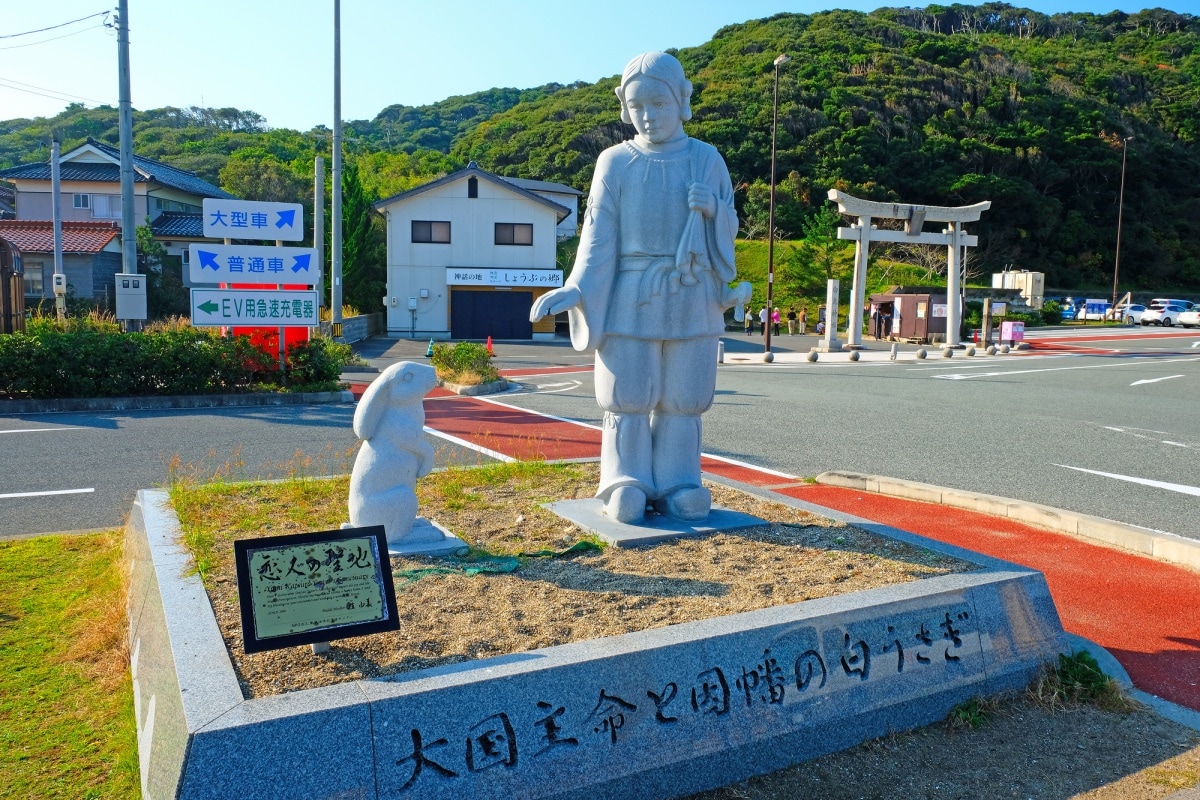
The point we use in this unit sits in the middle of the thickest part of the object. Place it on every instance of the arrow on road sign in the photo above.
(208, 307)
(208, 259)
(301, 262)
(287, 218)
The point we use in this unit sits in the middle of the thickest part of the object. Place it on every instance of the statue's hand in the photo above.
(703, 199)
(554, 302)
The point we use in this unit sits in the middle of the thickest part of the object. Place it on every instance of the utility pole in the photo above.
(58, 282)
(128, 232)
(319, 224)
(335, 242)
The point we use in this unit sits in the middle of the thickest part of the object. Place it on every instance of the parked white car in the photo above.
(1164, 315)
(1191, 318)
(1130, 314)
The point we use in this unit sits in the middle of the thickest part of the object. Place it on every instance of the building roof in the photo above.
(145, 170)
(37, 236)
(473, 170)
(178, 224)
(542, 186)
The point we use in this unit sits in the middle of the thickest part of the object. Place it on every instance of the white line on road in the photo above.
(1155, 380)
(469, 445)
(39, 430)
(1174, 487)
(45, 494)
(1130, 363)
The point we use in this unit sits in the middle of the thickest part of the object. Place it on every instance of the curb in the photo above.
(172, 402)
(1144, 541)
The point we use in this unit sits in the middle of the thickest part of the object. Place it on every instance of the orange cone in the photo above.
(491, 352)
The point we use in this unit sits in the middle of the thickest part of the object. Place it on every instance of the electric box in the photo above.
(131, 296)
(60, 284)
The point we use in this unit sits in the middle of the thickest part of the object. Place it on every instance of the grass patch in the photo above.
(66, 703)
(1078, 679)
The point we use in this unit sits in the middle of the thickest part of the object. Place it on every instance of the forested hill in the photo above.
(943, 106)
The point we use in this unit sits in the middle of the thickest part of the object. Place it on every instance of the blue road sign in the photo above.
(246, 263)
(253, 219)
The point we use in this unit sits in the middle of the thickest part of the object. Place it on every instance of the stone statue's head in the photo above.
(661, 67)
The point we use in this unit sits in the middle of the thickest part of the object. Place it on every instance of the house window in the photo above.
(33, 278)
(431, 232)
(81, 200)
(106, 206)
(514, 233)
(184, 254)
(472, 187)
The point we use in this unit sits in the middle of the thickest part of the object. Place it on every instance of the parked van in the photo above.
(1160, 302)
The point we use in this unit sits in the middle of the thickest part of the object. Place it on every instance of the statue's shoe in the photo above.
(626, 504)
(687, 504)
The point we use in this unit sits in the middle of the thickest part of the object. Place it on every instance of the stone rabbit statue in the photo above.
(390, 420)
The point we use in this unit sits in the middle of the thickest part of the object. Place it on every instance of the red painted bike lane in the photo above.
(1145, 612)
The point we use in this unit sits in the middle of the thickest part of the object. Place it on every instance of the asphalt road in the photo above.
(1112, 433)
(1108, 433)
(66, 472)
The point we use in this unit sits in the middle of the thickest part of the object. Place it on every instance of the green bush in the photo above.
(90, 357)
(466, 363)
(1052, 313)
(316, 365)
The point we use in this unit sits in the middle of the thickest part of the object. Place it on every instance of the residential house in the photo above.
(91, 257)
(90, 181)
(558, 193)
(467, 255)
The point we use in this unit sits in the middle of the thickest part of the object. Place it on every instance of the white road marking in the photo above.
(39, 430)
(555, 388)
(1138, 362)
(1195, 345)
(1174, 487)
(469, 445)
(1155, 380)
(45, 494)
(1176, 444)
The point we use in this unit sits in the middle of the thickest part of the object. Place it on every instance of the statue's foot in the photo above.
(688, 504)
(626, 504)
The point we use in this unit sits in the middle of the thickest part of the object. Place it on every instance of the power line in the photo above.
(52, 39)
(52, 27)
(7, 83)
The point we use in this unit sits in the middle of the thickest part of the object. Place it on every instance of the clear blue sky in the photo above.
(276, 56)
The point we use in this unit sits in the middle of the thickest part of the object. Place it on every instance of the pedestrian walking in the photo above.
(791, 318)
(763, 318)
(803, 319)
(749, 321)
(775, 319)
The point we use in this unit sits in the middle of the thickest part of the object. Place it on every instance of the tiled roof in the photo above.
(180, 224)
(37, 236)
(472, 170)
(145, 169)
(541, 186)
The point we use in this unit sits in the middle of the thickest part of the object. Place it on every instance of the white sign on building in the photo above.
(482, 276)
(253, 219)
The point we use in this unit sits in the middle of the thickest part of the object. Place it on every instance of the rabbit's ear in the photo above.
(376, 400)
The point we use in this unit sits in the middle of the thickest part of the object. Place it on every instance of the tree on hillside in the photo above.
(263, 178)
(364, 278)
(806, 267)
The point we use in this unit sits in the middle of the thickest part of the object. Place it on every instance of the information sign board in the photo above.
(222, 307)
(252, 219)
(247, 263)
(481, 276)
(314, 587)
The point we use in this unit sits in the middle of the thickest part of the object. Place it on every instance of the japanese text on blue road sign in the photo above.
(244, 263)
(253, 219)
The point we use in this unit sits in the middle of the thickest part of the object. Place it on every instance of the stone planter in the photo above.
(653, 714)
(471, 390)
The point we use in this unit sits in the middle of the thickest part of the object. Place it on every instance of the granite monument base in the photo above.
(589, 516)
(653, 714)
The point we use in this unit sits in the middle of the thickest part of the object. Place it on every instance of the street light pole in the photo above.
(768, 357)
(1120, 212)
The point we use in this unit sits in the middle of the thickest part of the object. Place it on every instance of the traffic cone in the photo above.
(491, 352)
(429, 350)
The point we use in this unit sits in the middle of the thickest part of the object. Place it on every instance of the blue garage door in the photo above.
(501, 315)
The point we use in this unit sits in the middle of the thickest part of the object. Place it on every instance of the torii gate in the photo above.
(954, 237)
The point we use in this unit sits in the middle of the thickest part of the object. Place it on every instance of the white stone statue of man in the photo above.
(648, 290)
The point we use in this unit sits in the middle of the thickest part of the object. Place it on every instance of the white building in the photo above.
(467, 255)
